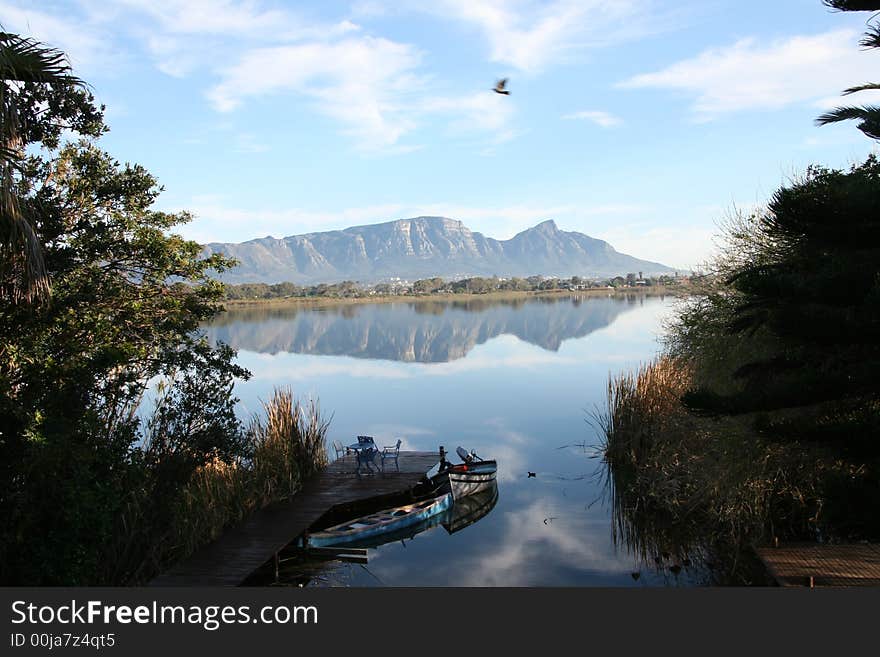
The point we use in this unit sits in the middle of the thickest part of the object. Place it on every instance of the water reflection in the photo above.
(517, 388)
(299, 567)
(423, 332)
(649, 525)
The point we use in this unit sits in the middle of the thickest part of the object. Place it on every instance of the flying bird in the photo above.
(531, 474)
(500, 87)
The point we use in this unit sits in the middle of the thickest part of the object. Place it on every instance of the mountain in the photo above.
(423, 247)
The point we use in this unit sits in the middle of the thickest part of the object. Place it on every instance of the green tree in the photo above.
(128, 296)
(34, 80)
(801, 298)
(868, 116)
(427, 285)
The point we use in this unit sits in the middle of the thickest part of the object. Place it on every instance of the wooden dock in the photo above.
(814, 564)
(241, 550)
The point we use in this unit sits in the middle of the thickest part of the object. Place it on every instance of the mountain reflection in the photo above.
(417, 331)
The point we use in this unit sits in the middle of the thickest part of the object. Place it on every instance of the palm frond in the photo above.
(868, 117)
(871, 38)
(21, 252)
(843, 114)
(853, 5)
(26, 60)
(861, 87)
(22, 266)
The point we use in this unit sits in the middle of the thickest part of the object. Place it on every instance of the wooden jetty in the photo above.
(815, 564)
(241, 550)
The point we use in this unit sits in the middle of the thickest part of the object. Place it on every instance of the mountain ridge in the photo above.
(422, 247)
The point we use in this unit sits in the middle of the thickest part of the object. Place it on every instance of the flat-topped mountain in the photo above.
(423, 247)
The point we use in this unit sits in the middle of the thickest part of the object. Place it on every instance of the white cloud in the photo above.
(372, 87)
(360, 82)
(311, 368)
(226, 17)
(479, 112)
(751, 75)
(530, 35)
(85, 44)
(602, 119)
(527, 545)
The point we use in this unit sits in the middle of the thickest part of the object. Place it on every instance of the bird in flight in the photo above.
(500, 87)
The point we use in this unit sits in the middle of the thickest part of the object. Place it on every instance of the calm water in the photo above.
(516, 381)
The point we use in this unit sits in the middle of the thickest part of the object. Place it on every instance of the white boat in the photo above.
(367, 528)
(467, 478)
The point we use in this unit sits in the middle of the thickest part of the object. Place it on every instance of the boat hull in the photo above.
(367, 529)
(468, 510)
(471, 478)
(463, 486)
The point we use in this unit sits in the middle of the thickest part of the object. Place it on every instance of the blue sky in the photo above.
(637, 121)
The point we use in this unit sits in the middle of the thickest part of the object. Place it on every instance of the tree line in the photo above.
(437, 285)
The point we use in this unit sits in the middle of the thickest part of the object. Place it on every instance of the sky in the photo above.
(646, 123)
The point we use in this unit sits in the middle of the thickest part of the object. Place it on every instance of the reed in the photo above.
(288, 447)
(643, 406)
(285, 446)
(698, 488)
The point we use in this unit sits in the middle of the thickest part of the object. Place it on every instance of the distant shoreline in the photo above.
(655, 290)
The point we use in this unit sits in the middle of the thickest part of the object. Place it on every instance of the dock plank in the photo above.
(230, 559)
(855, 564)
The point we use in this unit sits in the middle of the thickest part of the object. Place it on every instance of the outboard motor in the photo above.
(463, 455)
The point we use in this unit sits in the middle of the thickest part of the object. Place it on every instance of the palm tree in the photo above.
(867, 115)
(23, 62)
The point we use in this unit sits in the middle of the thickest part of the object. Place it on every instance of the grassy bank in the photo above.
(760, 419)
(285, 447)
(703, 489)
(451, 296)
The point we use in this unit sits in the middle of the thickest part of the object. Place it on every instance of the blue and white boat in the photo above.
(366, 528)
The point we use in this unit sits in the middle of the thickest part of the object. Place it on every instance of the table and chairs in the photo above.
(366, 452)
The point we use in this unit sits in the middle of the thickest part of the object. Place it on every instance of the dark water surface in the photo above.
(514, 380)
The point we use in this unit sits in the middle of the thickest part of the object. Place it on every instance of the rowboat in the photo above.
(368, 528)
(467, 478)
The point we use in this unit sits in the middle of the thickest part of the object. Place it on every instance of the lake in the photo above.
(515, 379)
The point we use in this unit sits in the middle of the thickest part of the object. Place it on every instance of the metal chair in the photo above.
(391, 453)
(340, 449)
(366, 456)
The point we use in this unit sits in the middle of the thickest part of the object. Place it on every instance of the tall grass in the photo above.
(643, 406)
(286, 447)
(695, 486)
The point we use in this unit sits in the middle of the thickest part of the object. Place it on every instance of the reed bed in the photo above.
(698, 488)
(288, 448)
(644, 406)
(285, 445)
